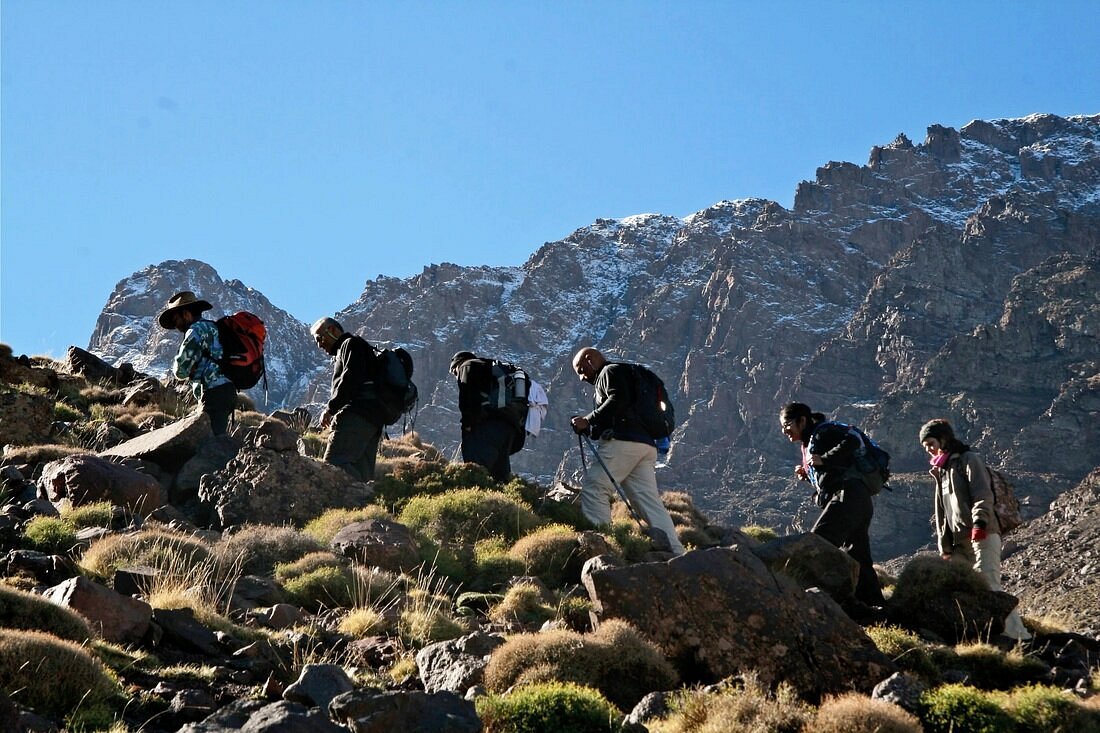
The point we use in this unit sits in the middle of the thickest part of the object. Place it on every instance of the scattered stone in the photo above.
(169, 447)
(458, 664)
(85, 479)
(373, 711)
(318, 684)
(117, 618)
(378, 543)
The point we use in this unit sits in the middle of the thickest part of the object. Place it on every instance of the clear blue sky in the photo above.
(306, 147)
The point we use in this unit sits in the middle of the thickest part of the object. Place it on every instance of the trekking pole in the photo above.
(619, 489)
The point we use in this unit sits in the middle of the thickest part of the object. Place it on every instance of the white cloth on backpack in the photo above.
(537, 403)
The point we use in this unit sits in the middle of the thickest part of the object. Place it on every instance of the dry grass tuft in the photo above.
(22, 610)
(160, 548)
(743, 705)
(855, 713)
(258, 548)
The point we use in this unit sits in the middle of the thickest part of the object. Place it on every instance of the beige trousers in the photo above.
(985, 557)
(634, 467)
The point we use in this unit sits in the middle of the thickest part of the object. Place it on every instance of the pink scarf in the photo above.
(939, 461)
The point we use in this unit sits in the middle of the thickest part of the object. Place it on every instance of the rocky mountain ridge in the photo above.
(956, 277)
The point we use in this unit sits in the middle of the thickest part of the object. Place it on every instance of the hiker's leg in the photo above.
(846, 520)
(987, 561)
(640, 486)
(487, 445)
(218, 403)
(348, 441)
(597, 491)
(367, 461)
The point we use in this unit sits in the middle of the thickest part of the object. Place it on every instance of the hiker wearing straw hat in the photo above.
(197, 357)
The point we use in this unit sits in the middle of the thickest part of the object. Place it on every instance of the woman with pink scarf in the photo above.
(966, 525)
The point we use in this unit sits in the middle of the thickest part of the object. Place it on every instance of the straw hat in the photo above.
(185, 299)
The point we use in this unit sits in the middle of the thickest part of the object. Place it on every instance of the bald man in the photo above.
(624, 445)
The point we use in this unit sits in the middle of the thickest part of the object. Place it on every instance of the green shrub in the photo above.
(65, 412)
(551, 553)
(427, 618)
(958, 708)
(97, 514)
(549, 706)
(615, 659)
(428, 477)
(52, 676)
(258, 548)
(626, 535)
(50, 534)
(162, 549)
(907, 650)
(465, 516)
(324, 587)
(1040, 708)
(992, 669)
(325, 527)
(22, 610)
(855, 713)
(493, 565)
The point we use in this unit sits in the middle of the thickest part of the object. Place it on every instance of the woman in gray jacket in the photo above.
(966, 525)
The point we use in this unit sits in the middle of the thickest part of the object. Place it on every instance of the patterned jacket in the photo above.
(197, 358)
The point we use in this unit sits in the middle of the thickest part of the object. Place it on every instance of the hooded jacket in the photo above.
(964, 499)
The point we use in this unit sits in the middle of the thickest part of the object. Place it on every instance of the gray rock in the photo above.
(84, 479)
(318, 684)
(378, 543)
(169, 447)
(374, 711)
(117, 618)
(458, 664)
(812, 562)
(904, 690)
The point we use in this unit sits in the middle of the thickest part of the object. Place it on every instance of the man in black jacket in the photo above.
(624, 445)
(487, 436)
(353, 409)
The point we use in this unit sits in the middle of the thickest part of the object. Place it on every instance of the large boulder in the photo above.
(375, 711)
(85, 479)
(458, 664)
(168, 447)
(25, 418)
(262, 486)
(719, 612)
(118, 618)
(94, 369)
(378, 543)
(813, 562)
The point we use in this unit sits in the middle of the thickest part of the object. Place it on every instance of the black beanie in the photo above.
(459, 358)
(939, 429)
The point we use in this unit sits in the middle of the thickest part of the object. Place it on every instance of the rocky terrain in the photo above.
(956, 277)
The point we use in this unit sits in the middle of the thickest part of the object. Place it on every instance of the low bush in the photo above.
(257, 548)
(97, 514)
(523, 603)
(561, 707)
(551, 553)
(22, 610)
(465, 516)
(630, 541)
(907, 650)
(52, 676)
(615, 659)
(51, 535)
(363, 622)
(956, 708)
(760, 534)
(493, 565)
(927, 578)
(855, 713)
(1041, 708)
(993, 669)
(318, 580)
(159, 548)
(41, 453)
(427, 477)
(65, 412)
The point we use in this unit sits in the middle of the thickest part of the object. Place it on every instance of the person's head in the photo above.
(936, 436)
(183, 309)
(587, 364)
(795, 418)
(460, 358)
(327, 332)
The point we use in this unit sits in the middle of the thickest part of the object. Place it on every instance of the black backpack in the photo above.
(397, 395)
(870, 459)
(507, 398)
(652, 403)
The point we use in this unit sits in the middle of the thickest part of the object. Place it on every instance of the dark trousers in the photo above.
(218, 403)
(353, 444)
(846, 522)
(489, 444)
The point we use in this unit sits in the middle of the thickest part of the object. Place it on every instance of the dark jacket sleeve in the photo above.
(837, 446)
(354, 364)
(614, 397)
(474, 377)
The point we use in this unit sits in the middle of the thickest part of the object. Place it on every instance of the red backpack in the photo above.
(242, 338)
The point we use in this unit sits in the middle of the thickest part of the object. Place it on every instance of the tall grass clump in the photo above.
(428, 615)
(159, 548)
(317, 581)
(562, 707)
(52, 676)
(1044, 708)
(743, 705)
(907, 650)
(258, 548)
(96, 514)
(993, 669)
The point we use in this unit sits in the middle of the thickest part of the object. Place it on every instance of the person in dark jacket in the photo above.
(353, 408)
(967, 530)
(197, 358)
(828, 457)
(624, 446)
(487, 437)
